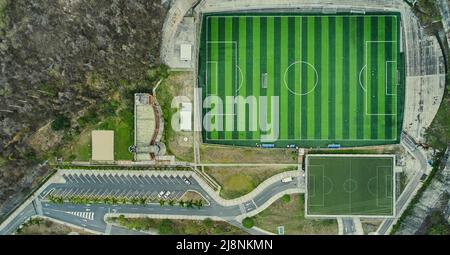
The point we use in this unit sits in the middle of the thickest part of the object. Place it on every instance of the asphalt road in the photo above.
(410, 188)
(93, 216)
(349, 226)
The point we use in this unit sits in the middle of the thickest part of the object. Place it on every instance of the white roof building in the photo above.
(186, 117)
(185, 52)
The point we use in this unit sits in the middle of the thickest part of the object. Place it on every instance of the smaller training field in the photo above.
(353, 185)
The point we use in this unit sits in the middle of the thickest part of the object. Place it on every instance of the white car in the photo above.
(186, 180)
(161, 194)
(286, 180)
(166, 196)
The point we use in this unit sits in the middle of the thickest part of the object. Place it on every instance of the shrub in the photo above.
(166, 227)
(248, 222)
(286, 198)
(61, 122)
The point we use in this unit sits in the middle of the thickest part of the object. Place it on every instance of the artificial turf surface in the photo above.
(338, 78)
(349, 185)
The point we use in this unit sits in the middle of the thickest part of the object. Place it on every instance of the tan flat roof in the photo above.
(102, 145)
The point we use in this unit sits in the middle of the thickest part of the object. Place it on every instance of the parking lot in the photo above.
(124, 186)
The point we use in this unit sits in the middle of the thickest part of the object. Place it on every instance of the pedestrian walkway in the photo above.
(84, 215)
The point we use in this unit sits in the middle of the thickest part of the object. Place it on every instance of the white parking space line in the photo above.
(117, 179)
(91, 178)
(85, 192)
(103, 193)
(136, 180)
(148, 180)
(98, 180)
(133, 180)
(153, 194)
(140, 178)
(124, 180)
(94, 179)
(86, 178)
(151, 180)
(66, 192)
(178, 194)
(69, 192)
(79, 180)
(69, 178)
(179, 180)
(165, 180)
(158, 180)
(127, 195)
(110, 178)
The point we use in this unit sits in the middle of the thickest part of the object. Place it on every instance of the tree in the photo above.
(171, 202)
(198, 203)
(181, 203)
(142, 200)
(61, 122)
(248, 222)
(134, 201)
(286, 198)
(161, 202)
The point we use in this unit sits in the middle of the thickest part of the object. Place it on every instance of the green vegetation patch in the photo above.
(350, 185)
(338, 78)
(238, 181)
(248, 222)
(178, 227)
(121, 123)
(438, 133)
(291, 216)
(3, 4)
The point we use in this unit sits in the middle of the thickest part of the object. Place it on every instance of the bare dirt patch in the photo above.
(193, 196)
(180, 144)
(40, 226)
(45, 139)
(230, 154)
(370, 226)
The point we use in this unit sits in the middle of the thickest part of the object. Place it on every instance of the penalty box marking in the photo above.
(237, 69)
(322, 167)
(385, 84)
(386, 184)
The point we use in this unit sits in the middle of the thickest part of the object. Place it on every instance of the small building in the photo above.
(186, 117)
(102, 145)
(185, 52)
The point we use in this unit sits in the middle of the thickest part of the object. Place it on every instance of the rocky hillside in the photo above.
(58, 58)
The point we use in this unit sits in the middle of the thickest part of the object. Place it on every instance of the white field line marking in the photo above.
(235, 48)
(316, 80)
(360, 82)
(367, 93)
(322, 167)
(395, 80)
(216, 82)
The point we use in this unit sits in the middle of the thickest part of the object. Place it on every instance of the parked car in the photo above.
(166, 196)
(161, 194)
(287, 179)
(186, 180)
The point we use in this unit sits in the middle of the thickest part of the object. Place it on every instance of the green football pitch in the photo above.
(349, 185)
(315, 79)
